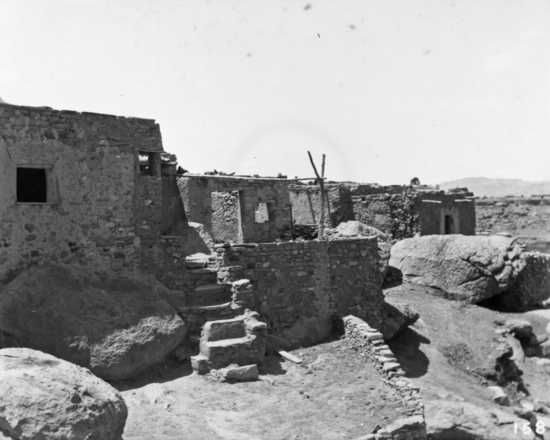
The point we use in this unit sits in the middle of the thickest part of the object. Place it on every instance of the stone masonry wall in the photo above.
(196, 192)
(405, 214)
(369, 341)
(293, 282)
(98, 205)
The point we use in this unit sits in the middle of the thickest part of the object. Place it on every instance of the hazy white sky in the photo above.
(388, 90)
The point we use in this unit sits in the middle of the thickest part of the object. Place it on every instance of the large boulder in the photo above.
(47, 398)
(447, 419)
(467, 268)
(397, 317)
(532, 287)
(117, 325)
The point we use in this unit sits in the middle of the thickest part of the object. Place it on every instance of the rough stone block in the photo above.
(245, 373)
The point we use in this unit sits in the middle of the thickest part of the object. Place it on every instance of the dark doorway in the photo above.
(32, 185)
(449, 225)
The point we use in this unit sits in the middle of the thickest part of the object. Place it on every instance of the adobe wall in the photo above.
(226, 206)
(299, 286)
(99, 207)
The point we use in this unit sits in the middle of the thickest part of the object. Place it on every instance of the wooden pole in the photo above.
(326, 193)
(322, 185)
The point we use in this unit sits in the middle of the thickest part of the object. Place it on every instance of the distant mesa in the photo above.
(485, 187)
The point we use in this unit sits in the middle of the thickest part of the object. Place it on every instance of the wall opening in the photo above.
(449, 225)
(149, 163)
(32, 185)
(261, 214)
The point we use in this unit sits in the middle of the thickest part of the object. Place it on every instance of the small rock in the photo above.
(248, 372)
(499, 396)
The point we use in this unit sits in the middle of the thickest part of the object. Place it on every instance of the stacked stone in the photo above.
(91, 218)
(171, 262)
(316, 278)
(397, 211)
(243, 295)
(365, 338)
(149, 191)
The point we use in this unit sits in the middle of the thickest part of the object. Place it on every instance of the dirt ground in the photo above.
(333, 394)
(452, 353)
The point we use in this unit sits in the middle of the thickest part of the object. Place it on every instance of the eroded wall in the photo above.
(214, 200)
(101, 206)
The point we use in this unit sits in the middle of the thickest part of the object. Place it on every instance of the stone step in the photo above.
(210, 288)
(203, 271)
(218, 310)
(196, 264)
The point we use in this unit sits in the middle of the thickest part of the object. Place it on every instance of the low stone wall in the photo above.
(293, 282)
(369, 341)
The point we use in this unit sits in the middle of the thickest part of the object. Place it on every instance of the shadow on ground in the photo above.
(406, 348)
(274, 365)
(166, 372)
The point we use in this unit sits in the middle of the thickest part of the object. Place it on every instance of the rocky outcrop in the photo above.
(448, 419)
(532, 287)
(117, 325)
(467, 268)
(47, 398)
(397, 317)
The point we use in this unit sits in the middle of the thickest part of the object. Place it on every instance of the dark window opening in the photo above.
(149, 164)
(449, 225)
(32, 185)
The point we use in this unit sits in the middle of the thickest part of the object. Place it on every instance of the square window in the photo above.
(32, 185)
(149, 163)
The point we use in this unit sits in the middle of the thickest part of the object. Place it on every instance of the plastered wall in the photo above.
(232, 217)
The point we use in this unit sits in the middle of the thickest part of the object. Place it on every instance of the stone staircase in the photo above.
(208, 299)
(240, 340)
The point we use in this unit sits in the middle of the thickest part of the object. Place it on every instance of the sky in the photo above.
(387, 90)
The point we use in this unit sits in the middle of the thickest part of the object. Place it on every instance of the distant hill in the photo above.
(482, 186)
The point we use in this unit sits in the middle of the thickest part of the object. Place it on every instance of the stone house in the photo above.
(81, 188)
(99, 191)
(401, 211)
